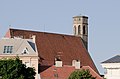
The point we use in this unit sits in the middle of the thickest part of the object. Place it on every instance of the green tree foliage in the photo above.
(15, 69)
(81, 74)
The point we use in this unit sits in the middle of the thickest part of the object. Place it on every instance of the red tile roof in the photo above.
(50, 45)
(92, 72)
(64, 72)
(54, 72)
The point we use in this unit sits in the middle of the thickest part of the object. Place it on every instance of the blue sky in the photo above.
(56, 16)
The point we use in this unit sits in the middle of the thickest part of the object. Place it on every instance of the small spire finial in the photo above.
(80, 14)
(9, 26)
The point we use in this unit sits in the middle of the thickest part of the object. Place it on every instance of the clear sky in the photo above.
(56, 16)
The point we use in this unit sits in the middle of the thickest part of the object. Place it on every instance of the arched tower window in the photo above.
(79, 29)
(83, 29)
(74, 30)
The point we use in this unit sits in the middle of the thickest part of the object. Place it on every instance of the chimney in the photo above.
(76, 64)
(58, 63)
(33, 37)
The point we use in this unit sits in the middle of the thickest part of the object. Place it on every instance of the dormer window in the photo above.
(8, 49)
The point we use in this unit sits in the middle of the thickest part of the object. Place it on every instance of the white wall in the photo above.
(112, 70)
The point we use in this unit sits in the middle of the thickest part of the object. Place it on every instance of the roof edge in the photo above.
(10, 29)
(8, 34)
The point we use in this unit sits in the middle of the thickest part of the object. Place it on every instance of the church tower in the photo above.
(80, 26)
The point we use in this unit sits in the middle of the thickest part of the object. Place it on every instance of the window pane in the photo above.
(11, 47)
(8, 49)
(4, 49)
(83, 29)
(79, 29)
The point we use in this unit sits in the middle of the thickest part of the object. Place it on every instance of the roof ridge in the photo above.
(43, 32)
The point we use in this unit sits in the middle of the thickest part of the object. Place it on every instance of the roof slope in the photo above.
(115, 59)
(64, 72)
(50, 45)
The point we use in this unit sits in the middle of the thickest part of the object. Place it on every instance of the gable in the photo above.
(16, 47)
(26, 49)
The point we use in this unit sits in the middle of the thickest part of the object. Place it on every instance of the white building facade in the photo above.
(112, 67)
(25, 49)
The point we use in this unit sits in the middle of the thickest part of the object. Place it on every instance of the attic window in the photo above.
(8, 49)
(25, 51)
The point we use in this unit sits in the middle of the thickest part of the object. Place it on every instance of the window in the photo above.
(75, 30)
(83, 29)
(79, 29)
(25, 51)
(8, 49)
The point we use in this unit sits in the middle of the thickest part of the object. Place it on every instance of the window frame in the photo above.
(8, 49)
(79, 29)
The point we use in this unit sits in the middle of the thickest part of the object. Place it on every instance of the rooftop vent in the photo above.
(76, 64)
(58, 63)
